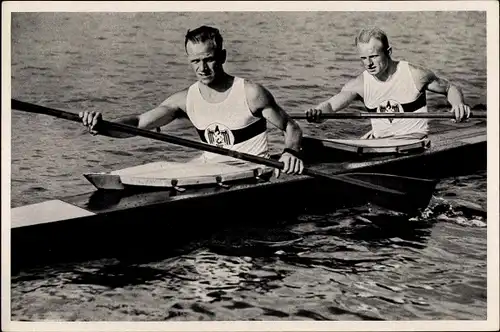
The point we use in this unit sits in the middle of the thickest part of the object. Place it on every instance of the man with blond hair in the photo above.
(388, 85)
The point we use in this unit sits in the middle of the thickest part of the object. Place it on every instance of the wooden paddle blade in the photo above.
(417, 192)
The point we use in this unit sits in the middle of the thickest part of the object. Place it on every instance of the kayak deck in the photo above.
(446, 148)
(167, 174)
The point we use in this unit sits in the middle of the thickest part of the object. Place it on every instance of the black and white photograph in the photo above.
(250, 166)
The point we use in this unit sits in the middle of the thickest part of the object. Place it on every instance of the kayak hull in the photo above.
(145, 223)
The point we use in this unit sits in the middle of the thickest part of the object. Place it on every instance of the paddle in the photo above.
(416, 195)
(367, 115)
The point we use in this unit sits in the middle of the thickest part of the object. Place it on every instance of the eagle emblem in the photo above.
(390, 106)
(219, 135)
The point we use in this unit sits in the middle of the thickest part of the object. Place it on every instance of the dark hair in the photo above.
(365, 35)
(202, 34)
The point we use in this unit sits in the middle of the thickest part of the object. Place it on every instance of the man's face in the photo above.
(205, 61)
(373, 56)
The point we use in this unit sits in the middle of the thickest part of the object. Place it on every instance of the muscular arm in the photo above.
(170, 109)
(426, 79)
(351, 91)
(262, 103)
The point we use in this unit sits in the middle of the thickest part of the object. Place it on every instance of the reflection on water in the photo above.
(353, 264)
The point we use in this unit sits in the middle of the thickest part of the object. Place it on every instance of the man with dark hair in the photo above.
(227, 111)
(387, 85)
(203, 34)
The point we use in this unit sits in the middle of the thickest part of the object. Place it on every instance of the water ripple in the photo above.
(352, 264)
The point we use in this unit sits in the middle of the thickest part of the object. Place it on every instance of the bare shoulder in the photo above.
(258, 97)
(255, 90)
(354, 85)
(421, 75)
(419, 70)
(177, 100)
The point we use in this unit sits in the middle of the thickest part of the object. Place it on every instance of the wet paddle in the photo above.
(367, 115)
(412, 193)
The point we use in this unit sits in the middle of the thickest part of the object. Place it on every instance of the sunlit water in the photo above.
(352, 264)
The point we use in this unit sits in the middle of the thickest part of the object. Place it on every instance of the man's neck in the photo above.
(218, 91)
(387, 74)
(222, 84)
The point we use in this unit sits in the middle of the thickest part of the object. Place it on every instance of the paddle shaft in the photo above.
(32, 108)
(366, 115)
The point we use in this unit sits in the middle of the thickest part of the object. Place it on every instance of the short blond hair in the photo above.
(365, 35)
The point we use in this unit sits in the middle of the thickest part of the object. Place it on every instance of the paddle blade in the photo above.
(416, 192)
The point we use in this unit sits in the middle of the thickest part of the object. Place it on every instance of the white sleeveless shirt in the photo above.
(229, 124)
(398, 94)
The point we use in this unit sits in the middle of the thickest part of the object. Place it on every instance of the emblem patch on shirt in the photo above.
(219, 135)
(390, 106)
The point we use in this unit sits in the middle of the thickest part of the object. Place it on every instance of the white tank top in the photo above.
(229, 124)
(398, 94)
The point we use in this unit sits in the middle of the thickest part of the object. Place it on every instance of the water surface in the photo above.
(353, 264)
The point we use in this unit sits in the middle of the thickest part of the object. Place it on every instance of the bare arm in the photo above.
(426, 80)
(170, 109)
(351, 91)
(262, 103)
